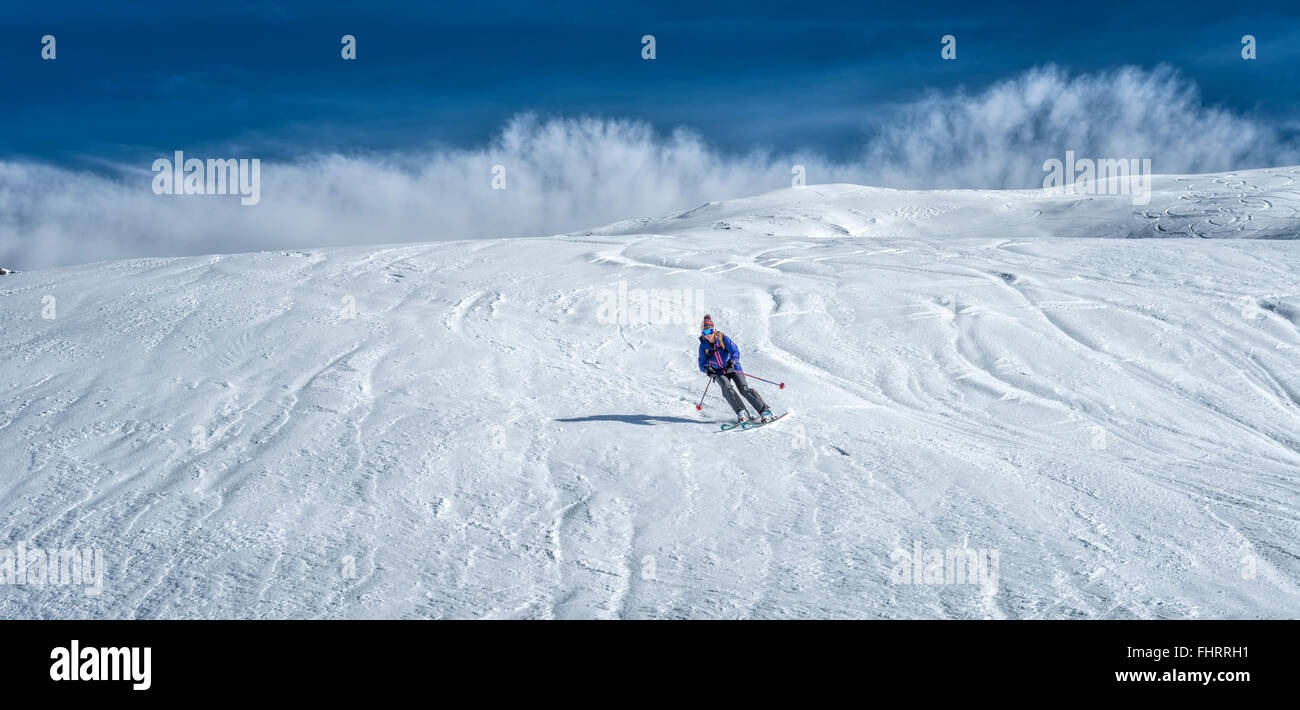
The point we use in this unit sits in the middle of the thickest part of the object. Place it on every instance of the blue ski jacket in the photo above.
(719, 356)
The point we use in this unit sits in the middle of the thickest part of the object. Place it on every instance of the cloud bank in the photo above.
(567, 174)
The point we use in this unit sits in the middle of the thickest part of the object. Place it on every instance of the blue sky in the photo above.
(142, 78)
(399, 145)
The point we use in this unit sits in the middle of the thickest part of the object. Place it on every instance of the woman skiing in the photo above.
(720, 360)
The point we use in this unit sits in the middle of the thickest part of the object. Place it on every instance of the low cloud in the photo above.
(572, 173)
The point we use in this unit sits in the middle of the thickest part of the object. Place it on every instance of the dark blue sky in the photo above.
(141, 79)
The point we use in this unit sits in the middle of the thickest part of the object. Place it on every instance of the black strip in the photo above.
(924, 660)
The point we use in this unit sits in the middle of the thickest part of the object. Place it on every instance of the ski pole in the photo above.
(780, 385)
(700, 406)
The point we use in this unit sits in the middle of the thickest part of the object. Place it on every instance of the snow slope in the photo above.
(1257, 204)
(1118, 419)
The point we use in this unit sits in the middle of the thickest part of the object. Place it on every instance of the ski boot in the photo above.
(742, 420)
(766, 416)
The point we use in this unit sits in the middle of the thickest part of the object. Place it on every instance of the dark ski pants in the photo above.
(724, 380)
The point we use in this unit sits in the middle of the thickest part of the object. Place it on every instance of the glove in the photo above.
(731, 368)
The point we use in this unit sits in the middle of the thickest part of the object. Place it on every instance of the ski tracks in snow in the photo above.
(454, 431)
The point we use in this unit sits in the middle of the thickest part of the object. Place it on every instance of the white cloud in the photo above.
(568, 174)
(1000, 137)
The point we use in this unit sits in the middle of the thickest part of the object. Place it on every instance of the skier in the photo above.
(720, 360)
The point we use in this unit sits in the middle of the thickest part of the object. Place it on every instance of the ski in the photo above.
(746, 426)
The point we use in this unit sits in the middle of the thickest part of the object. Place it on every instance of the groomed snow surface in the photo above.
(1115, 423)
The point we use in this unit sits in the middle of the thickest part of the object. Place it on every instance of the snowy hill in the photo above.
(1256, 204)
(501, 429)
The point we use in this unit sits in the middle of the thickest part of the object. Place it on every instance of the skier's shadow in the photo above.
(642, 419)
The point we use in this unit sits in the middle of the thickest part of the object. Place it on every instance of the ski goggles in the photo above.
(706, 331)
